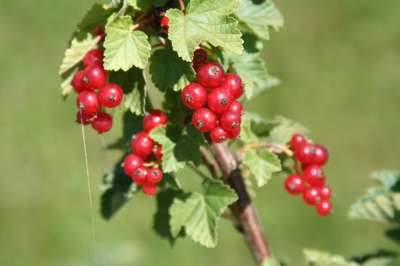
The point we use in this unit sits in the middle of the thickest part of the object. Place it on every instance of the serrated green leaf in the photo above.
(136, 102)
(261, 164)
(199, 213)
(139, 4)
(319, 258)
(66, 87)
(284, 129)
(271, 261)
(204, 21)
(132, 124)
(246, 132)
(168, 71)
(260, 16)
(388, 178)
(125, 48)
(95, 17)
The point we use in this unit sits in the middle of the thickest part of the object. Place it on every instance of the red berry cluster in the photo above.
(95, 93)
(311, 182)
(214, 99)
(164, 23)
(142, 165)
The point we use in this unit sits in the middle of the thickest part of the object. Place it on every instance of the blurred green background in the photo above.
(339, 62)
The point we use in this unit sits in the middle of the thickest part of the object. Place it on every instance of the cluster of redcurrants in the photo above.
(213, 97)
(95, 93)
(142, 165)
(311, 182)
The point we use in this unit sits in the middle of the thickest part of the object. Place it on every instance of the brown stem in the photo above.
(243, 210)
(182, 4)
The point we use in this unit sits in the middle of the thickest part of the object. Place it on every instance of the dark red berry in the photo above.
(314, 175)
(110, 95)
(94, 77)
(84, 119)
(139, 175)
(210, 75)
(142, 145)
(88, 103)
(305, 153)
(294, 184)
(325, 192)
(77, 82)
(235, 107)
(230, 121)
(320, 155)
(200, 56)
(99, 32)
(324, 208)
(219, 99)
(164, 22)
(154, 119)
(297, 141)
(150, 190)
(194, 96)
(154, 176)
(131, 163)
(233, 134)
(311, 196)
(234, 85)
(204, 120)
(218, 135)
(93, 58)
(157, 151)
(102, 123)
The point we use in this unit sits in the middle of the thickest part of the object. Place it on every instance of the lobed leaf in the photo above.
(284, 129)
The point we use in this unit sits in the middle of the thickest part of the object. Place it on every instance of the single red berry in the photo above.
(305, 153)
(93, 58)
(139, 175)
(218, 135)
(230, 121)
(235, 107)
(88, 103)
(102, 123)
(311, 196)
(204, 120)
(164, 22)
(219, 99)
(194, 96)
(154, 176)
(110, 95)
(157, 151)
(324, 208)
(325, 192)
(131, 163)
(320, 155)
(154, 119)
(77, 82)
(233, 134)
(99, 32)
(150, 190)
(200, 56)
(94, 77)
(234, 85)
(314, 175)
(294, 184)
(142, 145)
(84, 119)
(210, 75)
(297, 141)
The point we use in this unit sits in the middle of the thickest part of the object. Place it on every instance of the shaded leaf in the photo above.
(284, 129)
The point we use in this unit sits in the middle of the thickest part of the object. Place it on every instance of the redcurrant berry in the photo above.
(150, 190)
(99, 32)
(194, 96)
(110, 95)
(235, 107)
(93, 58)
(320, 155)
(77, 82)
(139, 175)
(297, 141)
(219, 99)
(102, 123)
(164, 22)
(305, 153)
(311, 196)
(218, 135)
(325, 192)
(142, 144)
(84, 119)
(324, 208)
(230, 121)
(314, 175)
(131, 163)
(204, 120)
(200, 56)
(94, 77)
(234, 85)
(210, 75)
(154, 119)
(233, 134)
(294, 184)
(154, 176)
(88, 103)
(157, 151)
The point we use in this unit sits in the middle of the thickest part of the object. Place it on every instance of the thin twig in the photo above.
(210, 163)
(182, 5)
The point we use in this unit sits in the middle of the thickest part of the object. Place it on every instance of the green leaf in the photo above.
(284, 129)
(75, 53)
(261, 164)
(66, 86)
(198, 214)
(168, 71)
(388, 178)
(132, 124)
(95, 17)
(260, 16)
(271, 261)
(246, 132)
(136, 102)
(125, 48)
(319, 258)
(204, 21)
(139, 4)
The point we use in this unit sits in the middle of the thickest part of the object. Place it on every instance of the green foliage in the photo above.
(283, 130)
(96, 17)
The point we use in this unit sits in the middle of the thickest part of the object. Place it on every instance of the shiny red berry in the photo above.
(154, 119)
(314, 175)
(131, 163)
(149, 190)
(297, 141)
(164, 22)
(110, 95)
(210, 75)
(233, 134)
(234, 85)
(88, 103)
(320, 155)
(102, 123)
(324, 208)
(84, 119)
(204, 120)
(235, 107)
(325, 192)
(142, 144)
(311, 196)
(194, 96)
(305, 153)
(157, 151)
(294, 184)
(93, 58)
(94, 77)
(154, 176)
(218, 135)
(77, 82)
(230, 121)
(200, 56)
(139, 175)
(219, 99)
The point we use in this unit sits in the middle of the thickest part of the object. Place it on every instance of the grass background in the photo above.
(339, 62)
